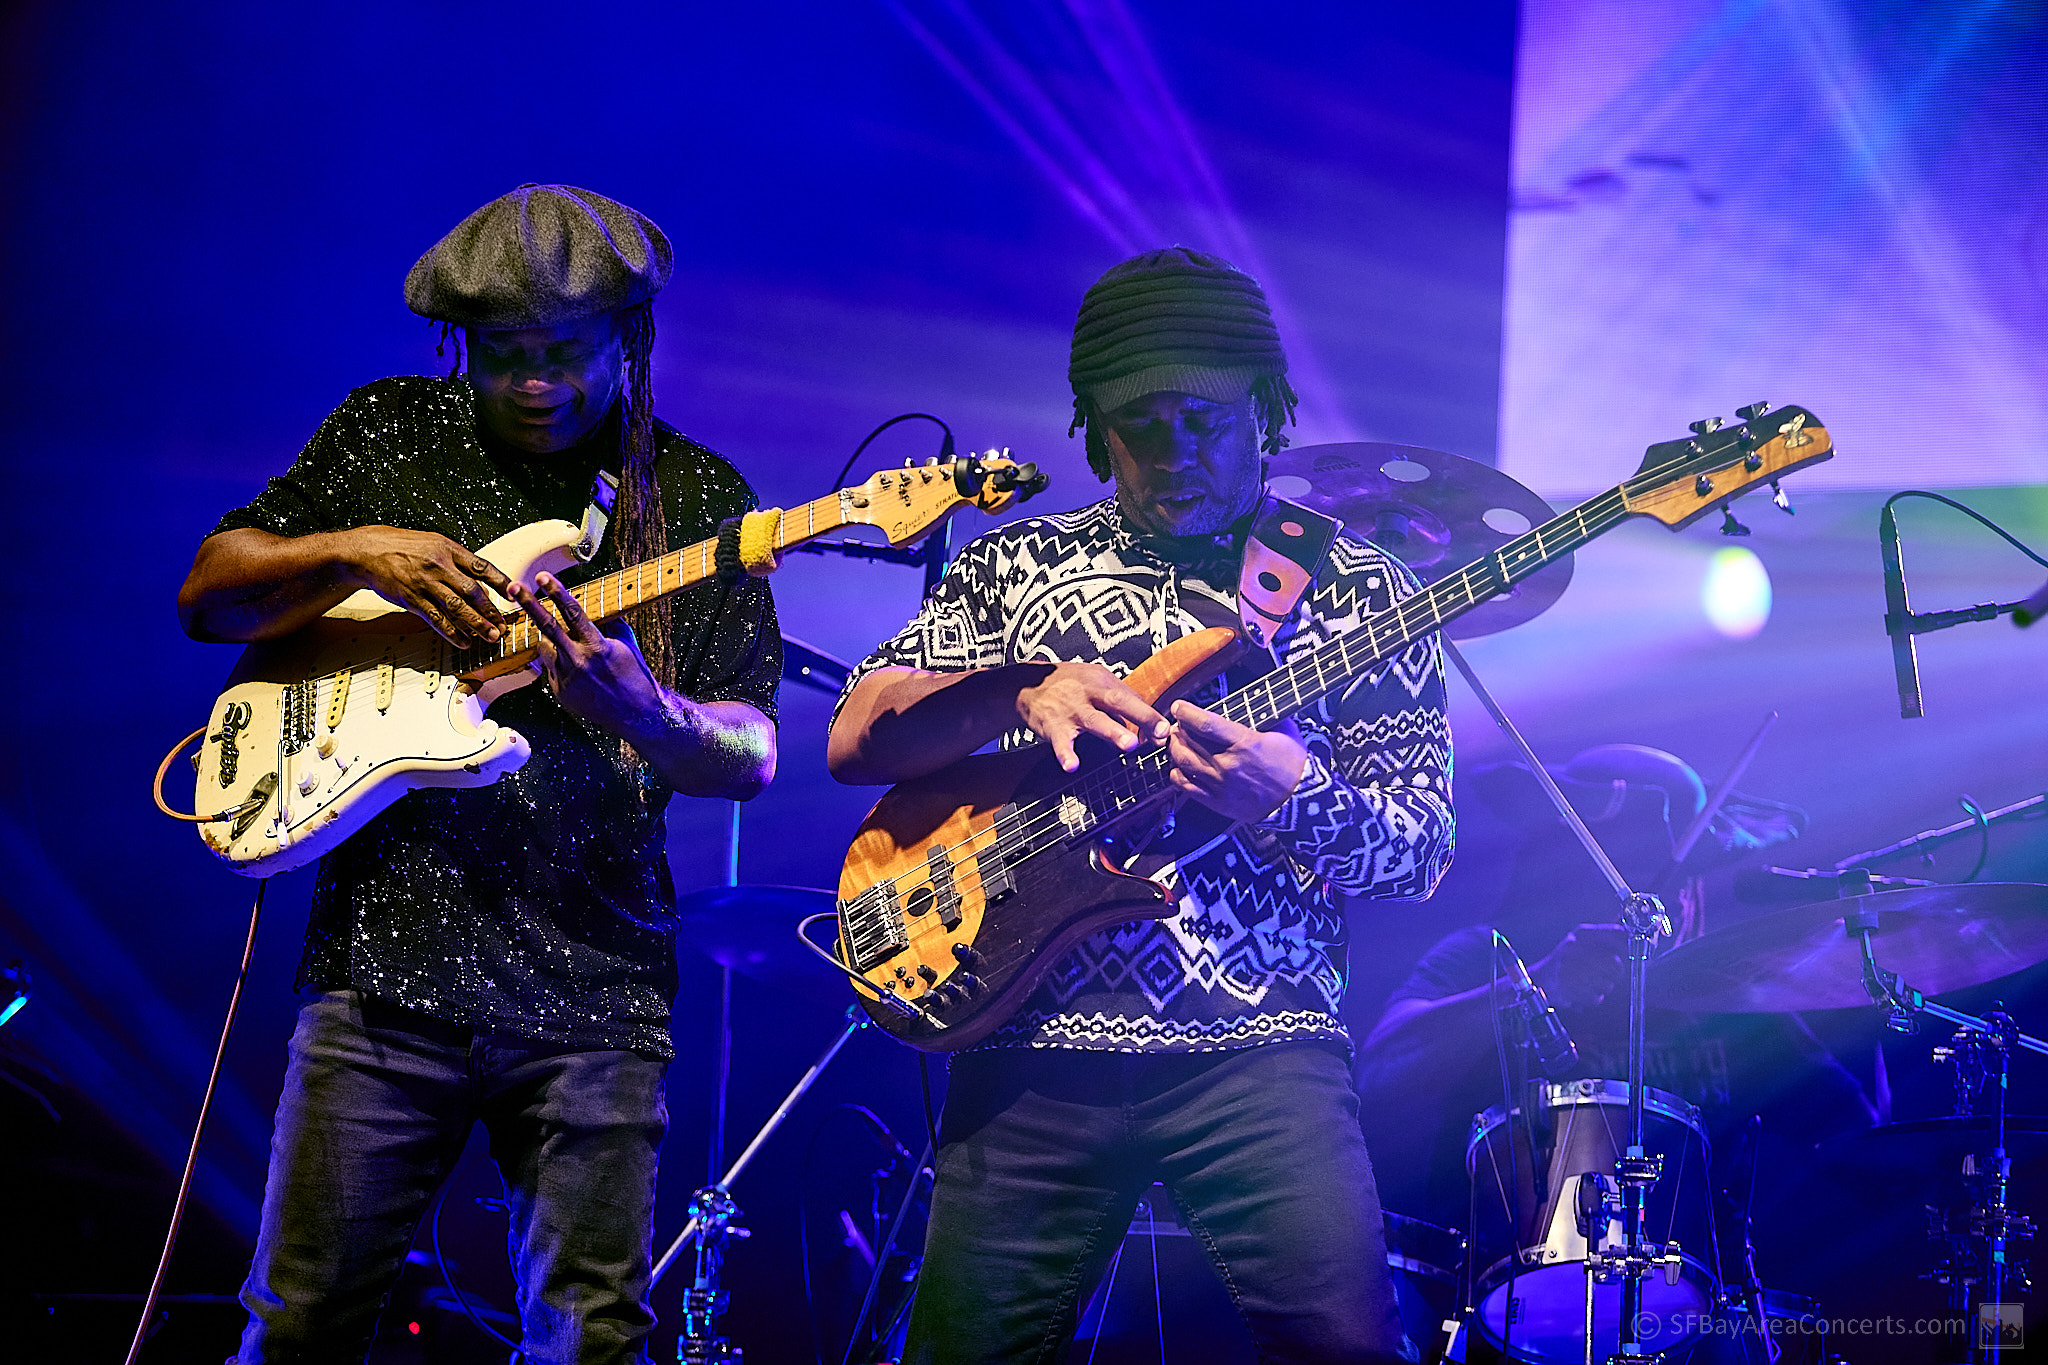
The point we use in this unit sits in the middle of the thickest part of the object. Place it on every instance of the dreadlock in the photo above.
(1273, 403)
(451, 335)
(639, 526)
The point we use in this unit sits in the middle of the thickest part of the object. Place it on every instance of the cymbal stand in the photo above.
(1993, 1220)
(1634, 1258)
(712, 1221)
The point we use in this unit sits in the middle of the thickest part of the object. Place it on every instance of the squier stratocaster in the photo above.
(963, 887)
(318, 732)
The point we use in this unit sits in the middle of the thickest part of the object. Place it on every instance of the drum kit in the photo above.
(1592, 1236)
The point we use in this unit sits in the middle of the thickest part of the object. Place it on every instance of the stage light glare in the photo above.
(1736, 592)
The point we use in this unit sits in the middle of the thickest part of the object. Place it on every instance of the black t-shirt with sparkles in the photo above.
(540, 906)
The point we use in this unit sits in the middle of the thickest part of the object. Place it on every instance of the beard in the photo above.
(1230, 494)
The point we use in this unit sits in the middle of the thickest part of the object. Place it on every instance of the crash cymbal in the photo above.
(1939, 938)
(752, 929)
(1934, 1147)
(1434, 512)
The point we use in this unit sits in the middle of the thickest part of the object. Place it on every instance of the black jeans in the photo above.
(378, 1102)
(1043, 1154)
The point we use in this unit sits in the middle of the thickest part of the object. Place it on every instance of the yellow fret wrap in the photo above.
(757, 541)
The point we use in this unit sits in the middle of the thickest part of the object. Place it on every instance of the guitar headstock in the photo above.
(906, 503)
(1681, 481)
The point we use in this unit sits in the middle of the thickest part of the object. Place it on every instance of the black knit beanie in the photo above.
(1173, 319)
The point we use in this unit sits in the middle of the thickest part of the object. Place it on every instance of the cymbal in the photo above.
(1934, 1147)
(1939, 938)
(752, 929)
(1433, 511)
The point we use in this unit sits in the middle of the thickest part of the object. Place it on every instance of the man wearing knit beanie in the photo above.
(503, 954)
(1205, 1050)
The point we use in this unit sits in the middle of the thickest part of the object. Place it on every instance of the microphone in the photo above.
(1555, 1051)
(1898, 621)
(2033, 609)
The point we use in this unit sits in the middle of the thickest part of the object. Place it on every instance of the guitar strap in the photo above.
(604, 492)
(1282, 555)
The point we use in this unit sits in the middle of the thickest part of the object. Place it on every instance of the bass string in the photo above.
(1409, 619)
(1289, 690)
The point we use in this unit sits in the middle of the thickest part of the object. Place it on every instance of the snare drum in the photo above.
(1580, 1128)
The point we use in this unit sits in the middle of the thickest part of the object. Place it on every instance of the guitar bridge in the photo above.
(295, 716)
(875, 930)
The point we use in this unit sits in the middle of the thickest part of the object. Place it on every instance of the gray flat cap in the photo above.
(539, 256)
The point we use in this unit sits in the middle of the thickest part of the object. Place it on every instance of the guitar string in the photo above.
(601, 599)
(1023, 830)
(1518, 559)
(1315, 671)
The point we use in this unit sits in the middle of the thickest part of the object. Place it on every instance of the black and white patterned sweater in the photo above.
(1255, 953)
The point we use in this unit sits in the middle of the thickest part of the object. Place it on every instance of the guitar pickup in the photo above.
(948, 895)
(992, 867)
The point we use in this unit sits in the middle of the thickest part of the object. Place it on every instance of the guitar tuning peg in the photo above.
(1704, 425)
(1729, 525)
(1752, 412)
(1780, 501)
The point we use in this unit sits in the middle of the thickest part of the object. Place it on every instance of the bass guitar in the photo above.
(963, 887)
(318, 732)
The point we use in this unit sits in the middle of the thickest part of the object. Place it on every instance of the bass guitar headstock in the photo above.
(1681, 481)
(906, 503)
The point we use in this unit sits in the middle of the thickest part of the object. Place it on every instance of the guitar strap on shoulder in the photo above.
(604, 492)
(1282, 555)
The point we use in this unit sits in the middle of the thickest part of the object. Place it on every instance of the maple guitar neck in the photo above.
(624, 589)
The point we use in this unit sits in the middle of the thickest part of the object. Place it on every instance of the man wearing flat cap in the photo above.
(1206, 1049)
(501, 954)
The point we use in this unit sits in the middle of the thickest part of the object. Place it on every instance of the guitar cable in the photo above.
(220, 1052)
(156, 790)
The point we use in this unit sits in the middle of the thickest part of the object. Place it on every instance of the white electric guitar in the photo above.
(320, 731)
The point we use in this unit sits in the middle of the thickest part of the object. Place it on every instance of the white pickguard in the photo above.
(304, 774)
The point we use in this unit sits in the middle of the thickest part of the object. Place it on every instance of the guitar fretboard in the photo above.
(625, 589)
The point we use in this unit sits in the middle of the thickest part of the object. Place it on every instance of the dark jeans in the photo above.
(1043, 1154)
(378, 1102)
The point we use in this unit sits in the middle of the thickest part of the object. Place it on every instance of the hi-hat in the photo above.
(1938, 938)
(752, 929)
(1433, 511)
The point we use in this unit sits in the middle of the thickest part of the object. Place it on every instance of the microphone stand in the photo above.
(1994, 1221)
(1635, 1257)
(1902, 623)
(712, 1215)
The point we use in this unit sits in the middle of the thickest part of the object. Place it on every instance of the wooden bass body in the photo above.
(952, 914)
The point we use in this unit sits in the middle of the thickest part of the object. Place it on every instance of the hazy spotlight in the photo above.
(1736, 592)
